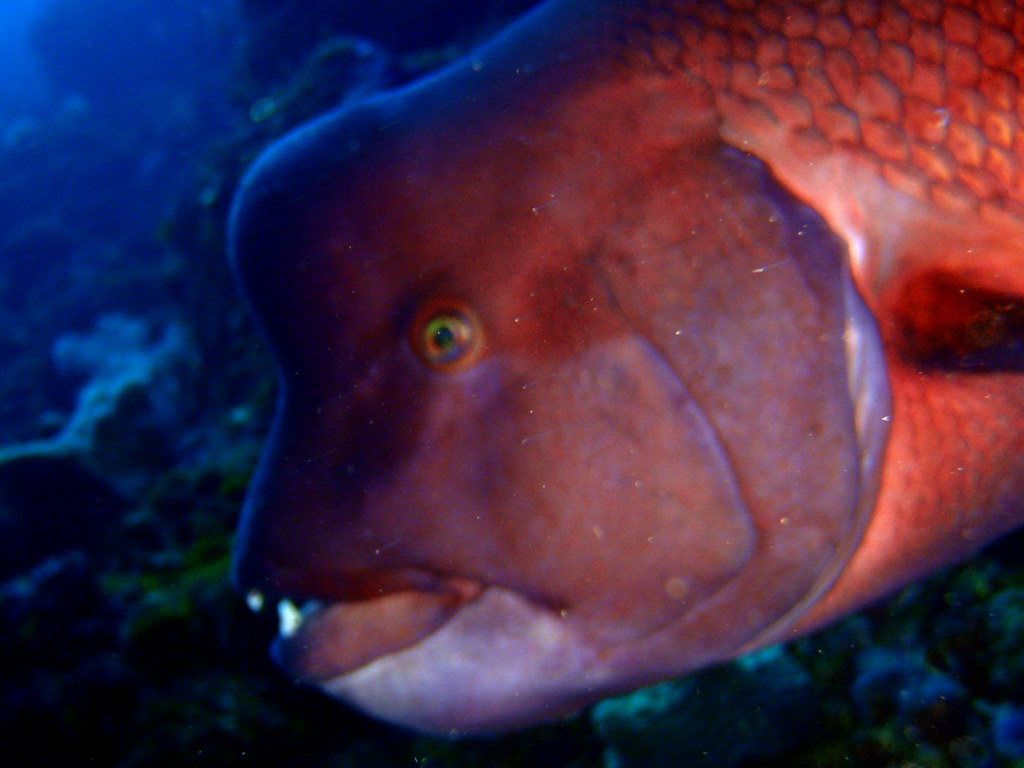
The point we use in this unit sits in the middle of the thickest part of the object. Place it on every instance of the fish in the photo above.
(644, 335)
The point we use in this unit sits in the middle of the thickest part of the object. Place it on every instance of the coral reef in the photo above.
(64, 490)
(764, 702)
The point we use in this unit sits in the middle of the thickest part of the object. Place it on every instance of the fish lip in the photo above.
(319, 641)
(503, 660)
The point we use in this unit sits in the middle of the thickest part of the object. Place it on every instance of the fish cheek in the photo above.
(740, 289)
(633, 515)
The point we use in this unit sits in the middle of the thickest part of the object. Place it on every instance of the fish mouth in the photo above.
(320, 640)
(464, 657)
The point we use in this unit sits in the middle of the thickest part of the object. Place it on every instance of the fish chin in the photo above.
(498, 662)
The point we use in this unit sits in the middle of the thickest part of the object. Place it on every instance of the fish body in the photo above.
(649, 333)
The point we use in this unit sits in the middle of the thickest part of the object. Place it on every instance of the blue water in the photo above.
(22, 86)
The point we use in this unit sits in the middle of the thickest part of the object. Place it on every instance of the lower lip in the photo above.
(322, 641)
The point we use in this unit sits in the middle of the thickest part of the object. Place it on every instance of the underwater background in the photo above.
(135, 396)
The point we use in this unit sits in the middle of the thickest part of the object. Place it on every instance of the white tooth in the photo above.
(254, 600)
(290, 618)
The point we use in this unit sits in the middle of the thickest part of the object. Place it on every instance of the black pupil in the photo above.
(444, 337)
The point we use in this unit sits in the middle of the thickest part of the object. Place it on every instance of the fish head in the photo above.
(602, 359)
(563, 410)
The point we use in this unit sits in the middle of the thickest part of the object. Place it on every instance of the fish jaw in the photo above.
(497, 661)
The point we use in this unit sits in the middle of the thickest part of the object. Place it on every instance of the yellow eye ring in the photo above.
(446, 335)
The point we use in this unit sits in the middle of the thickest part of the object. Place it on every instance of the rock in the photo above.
(756, 707)
(50, 504)
(62, 492)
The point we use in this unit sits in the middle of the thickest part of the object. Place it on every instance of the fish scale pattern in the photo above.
(928, 93)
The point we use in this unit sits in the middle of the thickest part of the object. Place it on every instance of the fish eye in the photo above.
(446, 335)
